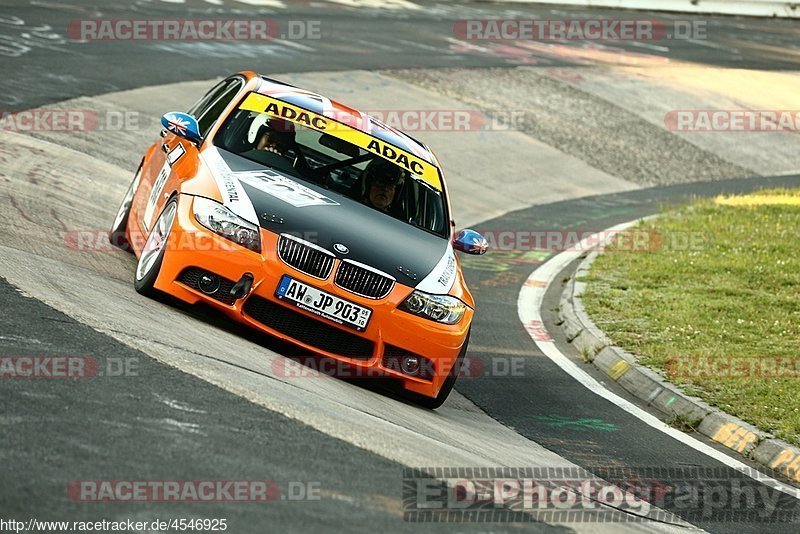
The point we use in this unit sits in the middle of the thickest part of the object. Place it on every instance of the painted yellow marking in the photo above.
(735, 437)
(788, 463)
(618, 369)
(759, 200)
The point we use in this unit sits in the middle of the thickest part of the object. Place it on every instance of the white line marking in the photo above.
(267, 3)
(370, 44)
(293, 44)
(378, 4)
(529, 304)
(711, 44)
(649, 46)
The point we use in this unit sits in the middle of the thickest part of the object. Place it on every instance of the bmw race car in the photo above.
(310, 221)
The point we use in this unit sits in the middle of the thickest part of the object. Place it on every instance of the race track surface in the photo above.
(186, 396)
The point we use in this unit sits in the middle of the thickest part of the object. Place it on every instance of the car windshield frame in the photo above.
(315, 175)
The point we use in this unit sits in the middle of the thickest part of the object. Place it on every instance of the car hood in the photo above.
(282, 204)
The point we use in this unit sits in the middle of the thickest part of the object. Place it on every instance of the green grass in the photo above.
(724, 285)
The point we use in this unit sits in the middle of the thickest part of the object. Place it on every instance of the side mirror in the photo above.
(470, 241)
(183, 125)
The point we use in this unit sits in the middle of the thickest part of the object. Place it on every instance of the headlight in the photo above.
(227, 224)
(440, 308)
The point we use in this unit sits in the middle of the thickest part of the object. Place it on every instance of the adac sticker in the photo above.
(264, 104)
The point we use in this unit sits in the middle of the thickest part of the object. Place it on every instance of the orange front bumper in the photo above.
(191, 245)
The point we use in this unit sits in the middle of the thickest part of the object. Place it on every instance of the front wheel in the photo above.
(153, 252)
(118, 236)
(434, 402)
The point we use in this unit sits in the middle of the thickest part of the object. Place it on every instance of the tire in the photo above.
(152, 256)
(118, 235)
(434, 402)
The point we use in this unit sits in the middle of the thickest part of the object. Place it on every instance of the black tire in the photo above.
(118, 235)
(434, 402)
(145, 284)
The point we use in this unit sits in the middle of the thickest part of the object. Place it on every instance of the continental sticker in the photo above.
(264, 104)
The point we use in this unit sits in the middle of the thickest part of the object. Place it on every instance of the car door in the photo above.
(176, 159)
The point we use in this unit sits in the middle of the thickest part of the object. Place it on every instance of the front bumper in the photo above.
(191, 246)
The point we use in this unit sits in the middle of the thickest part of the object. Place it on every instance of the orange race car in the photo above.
(310, 221)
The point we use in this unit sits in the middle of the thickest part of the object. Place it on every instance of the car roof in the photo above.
(344, 114)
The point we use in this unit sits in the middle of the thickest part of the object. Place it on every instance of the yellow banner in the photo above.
(265, 104)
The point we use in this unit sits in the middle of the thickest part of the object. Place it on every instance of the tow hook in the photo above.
(242, 288)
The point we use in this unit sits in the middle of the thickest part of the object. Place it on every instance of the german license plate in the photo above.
(322, 303)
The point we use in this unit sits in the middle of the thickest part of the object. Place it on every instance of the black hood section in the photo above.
(373, 238)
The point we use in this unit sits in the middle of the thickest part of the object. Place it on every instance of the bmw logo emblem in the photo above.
(341, 249)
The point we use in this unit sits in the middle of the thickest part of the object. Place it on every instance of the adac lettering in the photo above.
(391, 154)
(318, 123)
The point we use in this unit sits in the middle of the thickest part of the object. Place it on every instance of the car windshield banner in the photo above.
(271, 106)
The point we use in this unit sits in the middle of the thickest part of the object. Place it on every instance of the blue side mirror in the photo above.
(470, 241)
(183, 125)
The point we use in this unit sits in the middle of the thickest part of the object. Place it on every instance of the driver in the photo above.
(381, 182)
(276, 135)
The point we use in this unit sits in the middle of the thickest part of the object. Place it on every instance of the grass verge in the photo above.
(711, 297)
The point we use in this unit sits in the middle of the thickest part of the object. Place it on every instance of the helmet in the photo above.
(280, 125)
(383, 171)
(280, 132)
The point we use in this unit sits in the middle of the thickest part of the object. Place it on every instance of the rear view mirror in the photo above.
(339, 145)
(183, 125)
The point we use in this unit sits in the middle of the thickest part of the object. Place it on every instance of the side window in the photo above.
(208, 98)
(212, 113)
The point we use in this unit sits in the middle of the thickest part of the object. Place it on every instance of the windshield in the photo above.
(328, 160)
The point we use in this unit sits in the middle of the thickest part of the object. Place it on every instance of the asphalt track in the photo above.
(205, 401)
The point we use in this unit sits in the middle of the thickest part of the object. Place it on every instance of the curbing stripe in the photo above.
(779, 456)
(618, 369)
(649, 386)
